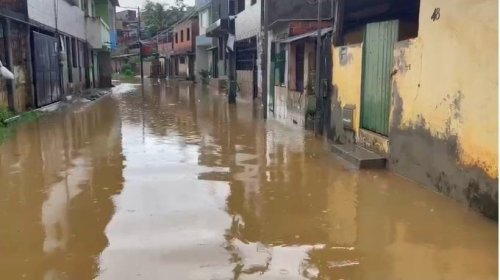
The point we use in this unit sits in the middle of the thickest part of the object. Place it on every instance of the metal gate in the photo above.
(46, 66)
(377, 64)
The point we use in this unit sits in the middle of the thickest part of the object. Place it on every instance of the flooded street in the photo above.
(172, 183)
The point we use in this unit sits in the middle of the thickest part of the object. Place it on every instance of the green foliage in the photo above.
(160, 16)
(127, 71)
(4, 115)
(6, 130)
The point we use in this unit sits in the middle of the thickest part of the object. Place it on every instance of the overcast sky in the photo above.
(135, 3)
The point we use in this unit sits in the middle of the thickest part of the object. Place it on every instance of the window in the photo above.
(280, 66)
(182, 60)
(69, 47)
(253, 2)
(241, 6)
(182, 35)
(176, 37)
(74, 53)
(188, 35)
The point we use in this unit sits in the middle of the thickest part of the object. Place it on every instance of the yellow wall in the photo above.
(347, 78)
(448, 75)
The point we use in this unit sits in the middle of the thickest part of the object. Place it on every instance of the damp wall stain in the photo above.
(433, 161)
(427, 133)
(347, 65)
(444, 107)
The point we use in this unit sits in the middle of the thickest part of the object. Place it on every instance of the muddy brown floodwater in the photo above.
(171, 183)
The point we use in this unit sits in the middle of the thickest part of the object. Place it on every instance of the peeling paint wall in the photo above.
(444, 119)
(347, 67)
(444, 108)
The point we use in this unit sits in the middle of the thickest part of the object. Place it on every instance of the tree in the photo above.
(160, 16)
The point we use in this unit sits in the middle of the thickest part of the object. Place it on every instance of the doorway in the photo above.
(379, 39)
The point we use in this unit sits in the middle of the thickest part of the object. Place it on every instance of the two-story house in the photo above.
(184, 56)
(54, 47)
(100, 30)
(203, 43)
(248, 40)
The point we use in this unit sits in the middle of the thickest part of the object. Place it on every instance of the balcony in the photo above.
(219, 28)
(98, 33)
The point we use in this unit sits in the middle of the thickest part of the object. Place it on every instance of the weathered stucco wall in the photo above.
(444, 117)
(347, 66)
(245, 82)
(444, 111)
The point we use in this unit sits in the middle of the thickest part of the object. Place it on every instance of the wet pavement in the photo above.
(171, 183)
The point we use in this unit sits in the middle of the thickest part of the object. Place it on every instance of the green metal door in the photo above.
(377, 65)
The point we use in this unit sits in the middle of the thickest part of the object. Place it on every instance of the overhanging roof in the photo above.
(306, 35)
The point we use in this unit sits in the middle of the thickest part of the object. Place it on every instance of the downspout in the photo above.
(59, 49)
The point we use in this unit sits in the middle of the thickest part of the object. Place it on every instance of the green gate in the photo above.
(377, 65)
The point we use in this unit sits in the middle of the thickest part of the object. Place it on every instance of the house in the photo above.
(219, 30)
(54, 50)
(185, 33)
(100, 25)
(204, 44)
(248, 53)
(291, 61)
(417, 83)
(73, 64)
(166, 51)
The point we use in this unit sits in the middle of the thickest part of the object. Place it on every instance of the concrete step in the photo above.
(360, 157)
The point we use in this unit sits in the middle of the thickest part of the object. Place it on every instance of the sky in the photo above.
(135, 3)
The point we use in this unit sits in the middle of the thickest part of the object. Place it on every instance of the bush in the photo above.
(4, 114)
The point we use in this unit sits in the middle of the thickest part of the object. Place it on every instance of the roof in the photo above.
(306, 35)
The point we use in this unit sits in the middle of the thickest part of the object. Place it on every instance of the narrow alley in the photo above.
(168, 181)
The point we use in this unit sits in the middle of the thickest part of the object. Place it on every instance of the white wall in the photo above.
(248, 21)
(71, 19)
(204, 20)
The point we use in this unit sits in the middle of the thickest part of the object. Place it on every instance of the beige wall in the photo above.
(448, 76)
(444, 108)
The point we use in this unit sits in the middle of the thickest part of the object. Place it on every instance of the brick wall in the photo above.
(185, 45)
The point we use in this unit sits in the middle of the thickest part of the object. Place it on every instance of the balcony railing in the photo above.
(98, 34)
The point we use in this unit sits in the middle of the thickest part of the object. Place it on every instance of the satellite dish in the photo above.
(5, 73)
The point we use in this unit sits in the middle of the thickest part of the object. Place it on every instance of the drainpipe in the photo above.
(59, 48)
(140, 43)
(265, 56)
(319, 112)
(9, 61)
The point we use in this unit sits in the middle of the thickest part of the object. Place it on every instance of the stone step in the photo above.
(360, 157)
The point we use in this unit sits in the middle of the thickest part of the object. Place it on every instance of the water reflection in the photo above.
(171, 182)
(58, 175)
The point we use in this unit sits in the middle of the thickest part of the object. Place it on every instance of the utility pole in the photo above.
(319, 112)
(141, 57)
(232, 56)
(265, 56)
